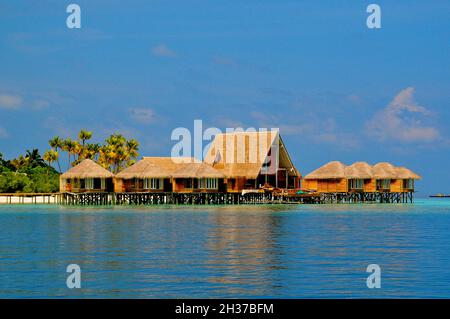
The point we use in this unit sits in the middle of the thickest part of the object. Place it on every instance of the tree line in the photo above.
(115, 154)
(33, 173)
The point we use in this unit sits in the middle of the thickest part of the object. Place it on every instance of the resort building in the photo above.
(87, 176)
(150, 174)
(335, 177)
(198, 177)
(252, 160)
(330, 178)
(239, 167)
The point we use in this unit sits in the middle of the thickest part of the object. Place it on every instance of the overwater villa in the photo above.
(87, 176)
(362, 181)
(239, 167)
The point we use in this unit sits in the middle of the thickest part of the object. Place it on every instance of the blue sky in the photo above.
(336, 89)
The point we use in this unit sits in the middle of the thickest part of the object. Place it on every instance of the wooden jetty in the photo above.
(172, 198)
(239, 168)
(31, 198)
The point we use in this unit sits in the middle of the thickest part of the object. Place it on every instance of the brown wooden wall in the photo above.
(396, 185)
(370, 185)
(330, 185)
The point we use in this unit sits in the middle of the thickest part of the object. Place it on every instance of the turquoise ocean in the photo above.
(287, 251)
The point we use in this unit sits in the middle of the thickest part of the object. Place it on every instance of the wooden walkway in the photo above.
(30, 198)
(97, 199)
(230, 198)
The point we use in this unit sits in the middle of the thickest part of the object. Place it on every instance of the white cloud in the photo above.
(10, 102)
(402, 120)
(162, 50)
(3, 133)
(143, 115)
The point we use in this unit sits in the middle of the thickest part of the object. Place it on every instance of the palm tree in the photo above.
(84, 136)
(20, 162)
(68, 146)
(92, 151)
(34, 158)
(56, 143)
(50, 157)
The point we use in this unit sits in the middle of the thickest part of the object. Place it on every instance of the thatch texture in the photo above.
(242, 154)
(361, 170)
(384, 171)
(405, 173)
(87, 169)
(358, 170)
(197, 170)
(156, 167)
(331, 170)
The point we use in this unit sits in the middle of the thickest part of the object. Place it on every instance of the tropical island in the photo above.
(35, 173)
(241, 167)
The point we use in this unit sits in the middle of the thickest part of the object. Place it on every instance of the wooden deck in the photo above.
(253, 198)
(169, 198)
(30, 198)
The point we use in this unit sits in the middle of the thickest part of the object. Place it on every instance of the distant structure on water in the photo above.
(239, 168)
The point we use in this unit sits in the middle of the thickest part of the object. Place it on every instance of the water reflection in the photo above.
(251, 251)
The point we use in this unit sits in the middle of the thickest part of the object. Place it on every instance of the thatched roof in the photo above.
(330, 170)
(359, 170)
(197, 170)
(384, 171)
(156, 167)
(87, 169)
(242, 154)
(405, 173)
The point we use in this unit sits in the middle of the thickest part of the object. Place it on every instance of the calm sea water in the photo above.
(225, 252)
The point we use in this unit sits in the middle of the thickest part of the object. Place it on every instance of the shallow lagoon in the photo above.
(295, 251)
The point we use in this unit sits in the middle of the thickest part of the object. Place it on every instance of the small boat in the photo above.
(440, 196)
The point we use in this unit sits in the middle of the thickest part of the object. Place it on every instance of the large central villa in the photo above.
(240, 164)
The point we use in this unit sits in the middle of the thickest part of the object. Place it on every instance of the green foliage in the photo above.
(27, 174)
(115, 154)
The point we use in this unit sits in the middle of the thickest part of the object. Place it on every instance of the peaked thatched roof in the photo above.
(242, 154)
(87, 169)
(330, 170)
(384, 170)
(197, 170)
(156, 167)
(405, 173)
(361, 170)
(358, 170)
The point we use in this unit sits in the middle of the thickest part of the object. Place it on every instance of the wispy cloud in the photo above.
(162, 50)
(10, 102)
(40, 104)
(143, 115)
(402, 120)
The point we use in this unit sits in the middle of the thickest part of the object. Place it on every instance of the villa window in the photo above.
(187, 183)
(88, 183)
(68, 181)
(408, 183)
(356, 184)
(82, 183)
(383, 184)
(211, 183)
(208, 183)
(152, 183)
(97, 183)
